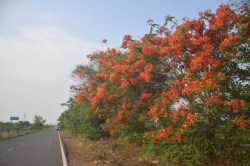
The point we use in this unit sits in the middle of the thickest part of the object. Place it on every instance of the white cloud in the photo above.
(42, 49)
(35, 68)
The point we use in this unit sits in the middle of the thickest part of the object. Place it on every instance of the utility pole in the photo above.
(24, 117)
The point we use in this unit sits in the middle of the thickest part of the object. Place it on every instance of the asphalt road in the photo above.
(35, 149)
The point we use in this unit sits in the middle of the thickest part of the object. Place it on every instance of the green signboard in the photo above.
(14, 118)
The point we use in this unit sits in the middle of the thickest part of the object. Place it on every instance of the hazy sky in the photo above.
(41, 41)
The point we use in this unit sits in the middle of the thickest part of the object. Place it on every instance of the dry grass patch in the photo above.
(105, 152)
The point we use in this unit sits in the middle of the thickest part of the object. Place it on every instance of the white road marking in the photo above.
(10, 149)
(21, 144)
(62, 151)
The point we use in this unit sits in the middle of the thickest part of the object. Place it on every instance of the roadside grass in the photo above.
(117, 152)
(12, 134)
(8, 135)
(105, 152)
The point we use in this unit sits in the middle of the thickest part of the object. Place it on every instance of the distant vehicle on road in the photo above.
(57, 129)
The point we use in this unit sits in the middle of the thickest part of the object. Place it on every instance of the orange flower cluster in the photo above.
(178, 77)
(162, 134)
(146, 96)
(235, 104)
(242, 123)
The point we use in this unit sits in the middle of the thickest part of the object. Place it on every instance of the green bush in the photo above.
(173, 153)
(90, 125)
(199, 148)
(80, 119)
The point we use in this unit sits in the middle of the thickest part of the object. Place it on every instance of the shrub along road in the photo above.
(39, 148)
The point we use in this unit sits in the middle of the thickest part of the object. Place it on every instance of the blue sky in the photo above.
(41, 41)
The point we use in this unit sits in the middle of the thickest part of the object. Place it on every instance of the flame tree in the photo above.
(179, 89)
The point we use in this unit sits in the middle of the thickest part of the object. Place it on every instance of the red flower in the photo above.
(104, 40)
(146, 96)
(150, 21)
(127, 38)
(72, 87)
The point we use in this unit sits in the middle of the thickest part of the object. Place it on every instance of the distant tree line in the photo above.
(39, 123)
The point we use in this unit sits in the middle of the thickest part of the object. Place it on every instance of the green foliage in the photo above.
(38, 122)
(90, 124)
(14, 126)
(1, 126)
(10, 130)
(202, 148)
(79, 119)
(176, 154)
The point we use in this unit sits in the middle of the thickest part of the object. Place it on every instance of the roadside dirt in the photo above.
(106, 152)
